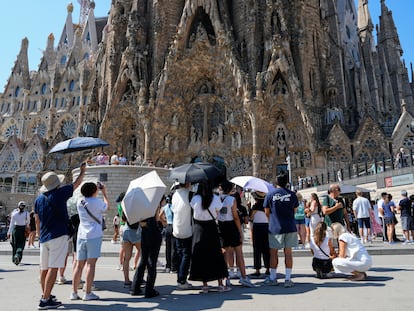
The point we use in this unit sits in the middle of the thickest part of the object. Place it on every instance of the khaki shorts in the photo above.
(284, 240)
(53, 253)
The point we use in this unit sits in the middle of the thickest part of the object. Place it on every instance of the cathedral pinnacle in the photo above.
(70, 7)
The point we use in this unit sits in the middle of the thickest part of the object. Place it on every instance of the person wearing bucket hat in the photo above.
(52, 219)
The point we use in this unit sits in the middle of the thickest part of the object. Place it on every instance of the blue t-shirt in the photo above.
(168, 213)
(387, 209)
(53, 213)
(282, 203)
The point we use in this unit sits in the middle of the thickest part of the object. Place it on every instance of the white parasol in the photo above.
(143, 197)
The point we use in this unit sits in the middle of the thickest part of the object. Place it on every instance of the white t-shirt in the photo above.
(204, 215)
(88, 227)
(182, 221)
(361, 207)
(354, 248)
(379, 204)
(225, 213)
(260, 218)
(317, 253)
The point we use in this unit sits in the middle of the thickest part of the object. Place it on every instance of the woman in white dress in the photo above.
(352, 256)
(315, 210)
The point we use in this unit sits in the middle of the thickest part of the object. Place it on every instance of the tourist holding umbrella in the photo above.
(208, 262)
(142, 203)
(195, 172)
(151, 239)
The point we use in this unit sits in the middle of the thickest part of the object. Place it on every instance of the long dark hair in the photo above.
(318, 203)
(205, 190)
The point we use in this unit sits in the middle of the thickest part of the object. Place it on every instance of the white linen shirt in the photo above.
(182, 221)
(18, 219)
(202, 214)
(88, 227)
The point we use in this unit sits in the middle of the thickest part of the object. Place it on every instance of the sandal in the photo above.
(359, 277)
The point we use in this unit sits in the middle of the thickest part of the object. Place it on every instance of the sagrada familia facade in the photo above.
(245, 82)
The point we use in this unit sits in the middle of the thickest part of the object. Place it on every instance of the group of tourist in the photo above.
(206, 234)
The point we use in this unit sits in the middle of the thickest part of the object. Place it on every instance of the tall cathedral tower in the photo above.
(247, 83)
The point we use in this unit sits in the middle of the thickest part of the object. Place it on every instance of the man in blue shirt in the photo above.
(280, 206)
(52, 219)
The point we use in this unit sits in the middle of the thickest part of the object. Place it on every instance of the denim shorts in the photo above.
(300, 221)
(88, 248)
(132, 235)
(364, 222)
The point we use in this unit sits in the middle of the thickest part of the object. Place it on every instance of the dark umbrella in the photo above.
(194, 172)
(78, 144)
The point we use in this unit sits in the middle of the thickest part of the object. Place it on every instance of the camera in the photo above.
(100, 185)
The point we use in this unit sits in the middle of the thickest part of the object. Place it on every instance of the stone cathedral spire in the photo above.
(365, 25)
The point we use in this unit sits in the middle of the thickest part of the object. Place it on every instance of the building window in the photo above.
(43, 90)
(71, 85)
(69, 128)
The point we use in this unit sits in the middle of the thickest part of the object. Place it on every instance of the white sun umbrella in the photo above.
(143, 197)
(252, 183)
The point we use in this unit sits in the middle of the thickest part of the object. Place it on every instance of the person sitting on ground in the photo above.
(322, 251)
(352, 256)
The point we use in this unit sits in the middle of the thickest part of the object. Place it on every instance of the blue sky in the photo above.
(36, 19)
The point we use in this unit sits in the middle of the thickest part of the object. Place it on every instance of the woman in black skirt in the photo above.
(208, 262)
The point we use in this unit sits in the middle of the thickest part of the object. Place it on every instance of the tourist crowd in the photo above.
(203, 227)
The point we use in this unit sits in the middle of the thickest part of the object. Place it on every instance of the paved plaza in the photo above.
(389, 285)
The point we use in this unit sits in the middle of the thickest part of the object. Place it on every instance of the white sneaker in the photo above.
(184, 286)
(61, 280)
(119, 267)
(90, 296)
(74, 296)
(289, 283)
(246, 282)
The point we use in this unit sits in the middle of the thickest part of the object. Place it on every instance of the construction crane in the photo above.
(84, 11)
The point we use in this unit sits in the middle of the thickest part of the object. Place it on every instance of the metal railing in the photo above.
(355, 170)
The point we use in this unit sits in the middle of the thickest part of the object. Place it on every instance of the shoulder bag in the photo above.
(85, 206)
